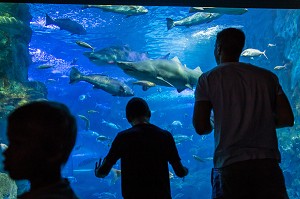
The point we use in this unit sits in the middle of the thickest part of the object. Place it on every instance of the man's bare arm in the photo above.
(284, 115)
(201, 117)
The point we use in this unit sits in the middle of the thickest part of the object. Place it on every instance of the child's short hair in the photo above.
(47, 123)
(137, 107)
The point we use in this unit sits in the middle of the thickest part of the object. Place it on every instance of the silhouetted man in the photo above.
(248, 105)
(145, 151)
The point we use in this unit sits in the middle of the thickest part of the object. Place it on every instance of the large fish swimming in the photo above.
(66, 24)
(220, 10)
(110, 55)
(170, 73)
(128, 10)
(108, 84)
(195, 19)
(251, 52)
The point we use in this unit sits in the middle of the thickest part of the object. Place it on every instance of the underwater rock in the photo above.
(15, 35)
(289, 22)
(8, 187)
(17, 94)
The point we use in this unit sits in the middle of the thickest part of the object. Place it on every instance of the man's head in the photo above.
(137, 109)
(229, 44)
(41, 135)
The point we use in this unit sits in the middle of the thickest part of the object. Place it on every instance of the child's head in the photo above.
(41, 137)
(137, 108)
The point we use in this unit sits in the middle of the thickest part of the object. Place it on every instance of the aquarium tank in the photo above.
(63, 52)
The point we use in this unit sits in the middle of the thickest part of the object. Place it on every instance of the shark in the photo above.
(195, 19)
(109, 55)
(66, 24)
(163, 72)
(128, 10)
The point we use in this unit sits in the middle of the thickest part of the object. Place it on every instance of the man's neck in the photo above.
(140, 121)
(225, 59)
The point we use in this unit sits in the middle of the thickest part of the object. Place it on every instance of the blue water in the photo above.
(146, 34)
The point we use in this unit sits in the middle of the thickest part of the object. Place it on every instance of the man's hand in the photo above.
(97, 166)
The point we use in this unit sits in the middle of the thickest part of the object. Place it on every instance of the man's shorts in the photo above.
(251, 179)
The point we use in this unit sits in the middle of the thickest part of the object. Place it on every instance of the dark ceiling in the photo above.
(201, 3)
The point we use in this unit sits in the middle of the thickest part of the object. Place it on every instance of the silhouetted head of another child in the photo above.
(137, 108)
(41, 137)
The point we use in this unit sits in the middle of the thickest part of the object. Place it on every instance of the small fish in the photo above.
(179, 195)
(177, 123)
(45, 66)
(86, 120)
(102, 138)
(84, 44)
(251, 52)
(111, 125)
(92, 111)
(89, 134)
(64, 76)
(280, 67)
(50, 80)
(105, 195)
(145, 84)
(180, 138)
(202, 159)
(82, 97)
(198, 158)
(271, 45)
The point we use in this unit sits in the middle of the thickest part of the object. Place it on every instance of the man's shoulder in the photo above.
(149, 127)
(217, 69)
(157, 128)
(233, 65)
(125, 132)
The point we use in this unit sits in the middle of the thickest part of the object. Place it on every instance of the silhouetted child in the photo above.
(41, 137)
(145, 151)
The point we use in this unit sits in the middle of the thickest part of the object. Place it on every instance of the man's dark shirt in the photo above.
(145, 151)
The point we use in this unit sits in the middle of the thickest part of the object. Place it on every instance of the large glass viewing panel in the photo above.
(44, 47)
